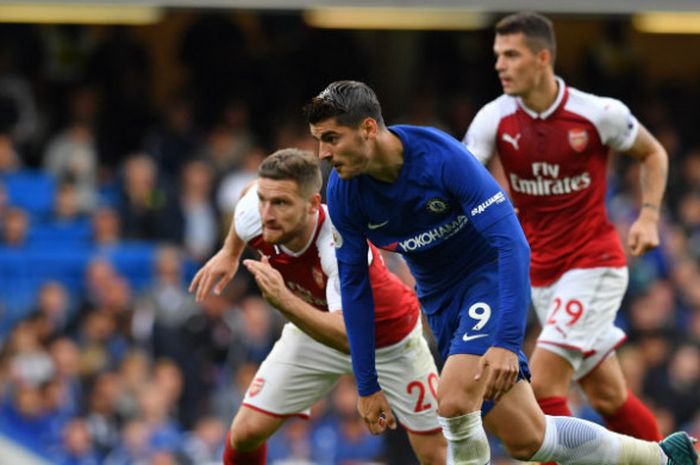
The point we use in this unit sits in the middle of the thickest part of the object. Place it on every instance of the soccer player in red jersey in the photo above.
(554, 142)
(281, 216)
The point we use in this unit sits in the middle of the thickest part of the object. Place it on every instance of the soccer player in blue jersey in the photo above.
(417, 191)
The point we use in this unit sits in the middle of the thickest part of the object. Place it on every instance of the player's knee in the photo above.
(246, 437)
(524, 447)
(606, 402)
(449, 408)
(455, 406)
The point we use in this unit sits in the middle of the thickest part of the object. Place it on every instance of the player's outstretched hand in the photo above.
(270, 281)
(504, 368)
(644, 234)
(216, 273)
(376, 413)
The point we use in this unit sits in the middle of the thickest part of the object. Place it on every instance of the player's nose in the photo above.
(324, 151)
(500, 64)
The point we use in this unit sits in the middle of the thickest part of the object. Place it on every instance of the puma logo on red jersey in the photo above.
(512, 140)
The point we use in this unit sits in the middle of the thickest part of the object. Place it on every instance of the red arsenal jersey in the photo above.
(312, 273)
(555, 163)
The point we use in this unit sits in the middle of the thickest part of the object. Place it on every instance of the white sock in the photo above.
(572, 441)
(466, 440)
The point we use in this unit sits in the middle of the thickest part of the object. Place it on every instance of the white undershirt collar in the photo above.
(548, 112)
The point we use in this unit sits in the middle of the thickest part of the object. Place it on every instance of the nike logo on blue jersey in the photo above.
(377, 225)
(467, 337)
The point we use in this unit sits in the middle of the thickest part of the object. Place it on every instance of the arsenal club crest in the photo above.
(578, 139)
(256, 386)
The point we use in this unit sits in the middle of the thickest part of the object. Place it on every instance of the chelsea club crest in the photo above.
(436, 206)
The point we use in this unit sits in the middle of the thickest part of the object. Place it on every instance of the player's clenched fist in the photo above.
(376, 413)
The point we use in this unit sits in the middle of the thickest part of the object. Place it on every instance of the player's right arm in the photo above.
(356, 294)
(480, 138)
(222, 267)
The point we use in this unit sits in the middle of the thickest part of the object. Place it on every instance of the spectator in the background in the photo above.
(201, 230)
(353, 442)
(101, 412)
(65, 354)
(9, 158)
(134, 447)
(260, 328)
(232, 185)
(231, 389)
(15, 228)
(52, 312)
(23, 418)
(205, 444)
(134, 371)
(167, 376)
(147, 211)
(175, 140)
(71, 155)
(230, 139)
(689, 219)
(23, 122)
(166, 303)
(67, 205)
(98, 278)
(103, 347)
(106, 227)
(675, 385)
(163, 431)
(77, 447)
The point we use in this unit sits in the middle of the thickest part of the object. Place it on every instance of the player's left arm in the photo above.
(644, 232)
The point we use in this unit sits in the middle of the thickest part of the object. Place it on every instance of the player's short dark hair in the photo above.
(349, 102)
(296, 165)
(537, 29)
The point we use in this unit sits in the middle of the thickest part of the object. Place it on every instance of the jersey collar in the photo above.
(561, 93)
(320, 217)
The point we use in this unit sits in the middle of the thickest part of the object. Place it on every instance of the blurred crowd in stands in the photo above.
(110, 201)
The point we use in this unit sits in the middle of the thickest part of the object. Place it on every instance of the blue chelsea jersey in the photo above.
(432, 213)
(447, 216)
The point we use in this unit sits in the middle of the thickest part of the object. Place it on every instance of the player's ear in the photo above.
(544, 56)
(368, 128)
(314, 203)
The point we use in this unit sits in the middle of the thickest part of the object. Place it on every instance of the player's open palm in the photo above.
(376, 412)
(643, 236)
(503, 368)
(216, 274)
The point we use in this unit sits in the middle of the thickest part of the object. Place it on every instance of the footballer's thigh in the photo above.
(577, 314)
(459, 393)
(298, 372)
(409, 378)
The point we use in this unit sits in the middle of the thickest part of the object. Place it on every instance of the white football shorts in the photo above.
(299, 371)
(577, 315)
